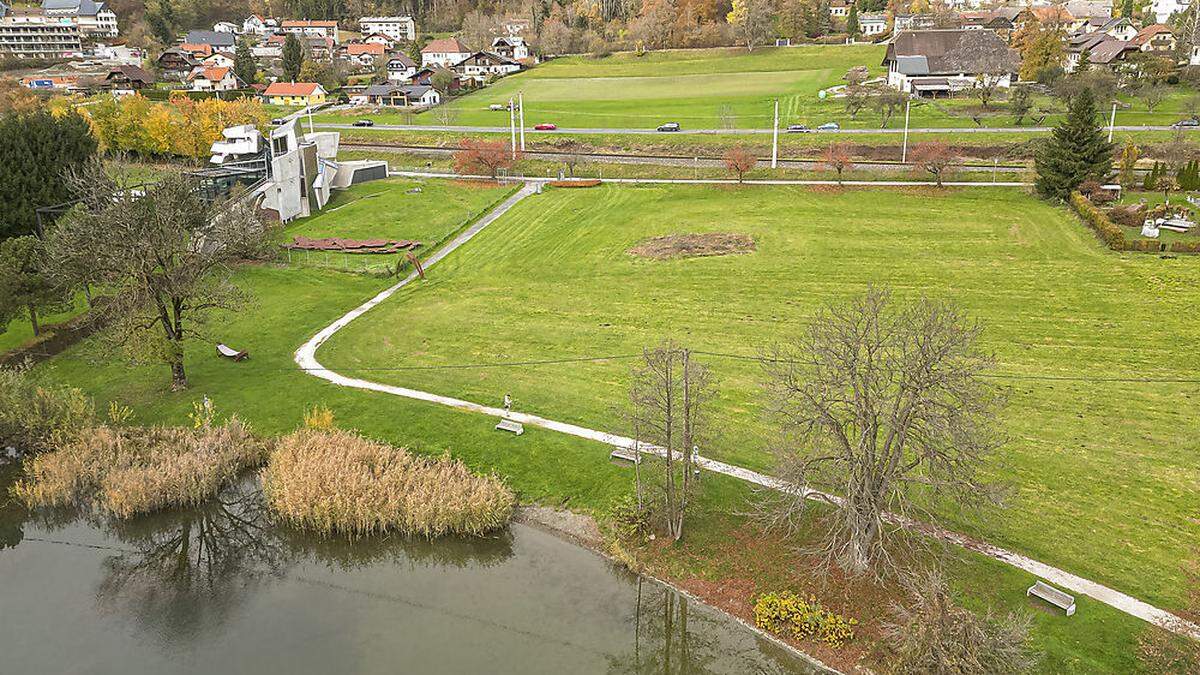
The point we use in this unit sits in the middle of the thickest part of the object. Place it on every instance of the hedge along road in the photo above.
(306, 358)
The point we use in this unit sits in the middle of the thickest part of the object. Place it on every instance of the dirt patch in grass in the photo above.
(694, 245)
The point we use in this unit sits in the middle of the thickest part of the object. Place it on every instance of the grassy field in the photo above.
(20, 331)
(1102, 471)
(728, 87)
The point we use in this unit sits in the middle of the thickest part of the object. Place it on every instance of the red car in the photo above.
(545, 126)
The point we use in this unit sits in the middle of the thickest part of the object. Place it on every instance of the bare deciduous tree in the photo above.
(668, 398)
(837, 158)
(934, 158)
(885, 415)
(479, 155)
(933, 634)
(738, 160)
(165, 256)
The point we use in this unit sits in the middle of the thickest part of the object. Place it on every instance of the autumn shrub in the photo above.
(788, 614)
(125, 471)
(1185, 247)
(33, 417)
(1144, 245)
(1130, 215)
(1108, 231)
(337, 482)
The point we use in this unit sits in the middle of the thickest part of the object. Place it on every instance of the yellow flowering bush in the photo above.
(788, 613)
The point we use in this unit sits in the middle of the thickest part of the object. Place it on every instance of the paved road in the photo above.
(842, 132)
(305, 357)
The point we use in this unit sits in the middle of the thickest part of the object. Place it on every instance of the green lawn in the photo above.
(716, 88)
(20, 331)
(1104, 473)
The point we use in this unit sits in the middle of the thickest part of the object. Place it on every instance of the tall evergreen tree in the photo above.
(244, 65)
(852, 28)
(37, 150)
(1076, 151)
(293, 57)
(1127, 9)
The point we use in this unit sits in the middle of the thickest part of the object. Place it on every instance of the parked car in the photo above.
(277, 121)
(669, 126)
(545, 126)
(364, 123)
(798, 129)
(1193, 122)
(829, 126)
(497, 106)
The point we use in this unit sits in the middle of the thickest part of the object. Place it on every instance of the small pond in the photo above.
(220, 589)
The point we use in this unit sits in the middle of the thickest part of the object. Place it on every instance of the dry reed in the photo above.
(126, 471)
(334, 481)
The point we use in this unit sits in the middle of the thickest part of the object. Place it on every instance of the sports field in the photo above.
(727, 88)
(1103, 468)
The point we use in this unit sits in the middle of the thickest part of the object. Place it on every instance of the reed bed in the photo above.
(337, 482)
(126, 471)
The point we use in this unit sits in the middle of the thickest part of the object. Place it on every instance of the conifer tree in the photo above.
(38, 148)
(293, 57)
(244, 65)
(1076, 151)
(852, 21)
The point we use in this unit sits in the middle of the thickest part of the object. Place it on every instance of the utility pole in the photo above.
(512, 128)
(775, 138)
(521, 109)
(1111, 121)
(904, 150)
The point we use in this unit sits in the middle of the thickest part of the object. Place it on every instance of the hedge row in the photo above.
(1108, 231)
(583, 183)
(1185, 247)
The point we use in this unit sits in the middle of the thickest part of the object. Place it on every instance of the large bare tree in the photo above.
(885, 415)
(668, 398)
(164, 253)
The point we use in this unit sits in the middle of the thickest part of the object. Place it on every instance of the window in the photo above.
(279, 146)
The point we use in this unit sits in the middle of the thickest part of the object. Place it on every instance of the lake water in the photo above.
(219, 589)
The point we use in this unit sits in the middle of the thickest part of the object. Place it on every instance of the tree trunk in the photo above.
(178, 376)
(33, 320)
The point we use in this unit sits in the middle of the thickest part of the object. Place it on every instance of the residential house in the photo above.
(872, 25)
(93, 19)
(267, 49)
(258, 25)
(400, 68)
(425, 76)
(29, 34)
(1119, 28)
(379, 39)
(409, 95)
(398, 28)
(175, 63)
(128, 79)
(295, 93)
(902, 22)
(363, 54)
(481, 67)
(839, 8)
(217, 60)
(319, 48)
(1163, 10)
(511, 47)
(445, 52)
(930, 62)
(212, 79)
(226, 27)
(305, 27)
(217, 41)
(1101, 50)
(1155, 38)
(999, 20)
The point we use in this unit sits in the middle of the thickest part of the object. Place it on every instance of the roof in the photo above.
(409, 90)
(1052, 14)
(1088, 8)
(445, 46)
(132, 73)
(209, 37)
(949, 52)
(402, 58)
(77, 7)
(878, 17)
(293, 89)
(368, 48)
(1109, 50)
(1146, 34)
(197, 48)
(487, 58)
(210, 74)
(307, 23)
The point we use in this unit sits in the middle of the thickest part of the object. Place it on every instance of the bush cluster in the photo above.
(786, 612)
(125, 471)
(1095, 219)
(33, 417)
(1144, 245)
(1130, 215)
(1185, 247)
(335, 481)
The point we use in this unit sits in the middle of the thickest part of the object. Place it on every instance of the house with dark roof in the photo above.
(404, 95)
(481, 67)
(928, 62)
(176, 63)
(400, 68)
(128, 79)
(93, 18)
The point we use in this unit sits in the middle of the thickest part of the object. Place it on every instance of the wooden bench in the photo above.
(509, 425)
(627, 454)
(1053, 596)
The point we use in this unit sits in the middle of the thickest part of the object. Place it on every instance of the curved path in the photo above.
(306, 358)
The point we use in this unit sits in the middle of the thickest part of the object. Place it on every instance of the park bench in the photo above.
(510, 425)
(627, 454)
(1053, 596)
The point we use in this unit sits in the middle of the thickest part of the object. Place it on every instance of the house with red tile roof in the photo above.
(212, 79)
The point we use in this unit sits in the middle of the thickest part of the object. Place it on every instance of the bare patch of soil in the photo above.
(694, 245)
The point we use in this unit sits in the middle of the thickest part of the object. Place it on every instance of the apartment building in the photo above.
(399, 28)
(33, 35)
(94, 19)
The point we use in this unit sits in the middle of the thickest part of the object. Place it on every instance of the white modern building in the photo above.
(400, 28)
(37, 36)
(94, 19)
(446, 52)
(308, 28)
(1164, 9)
